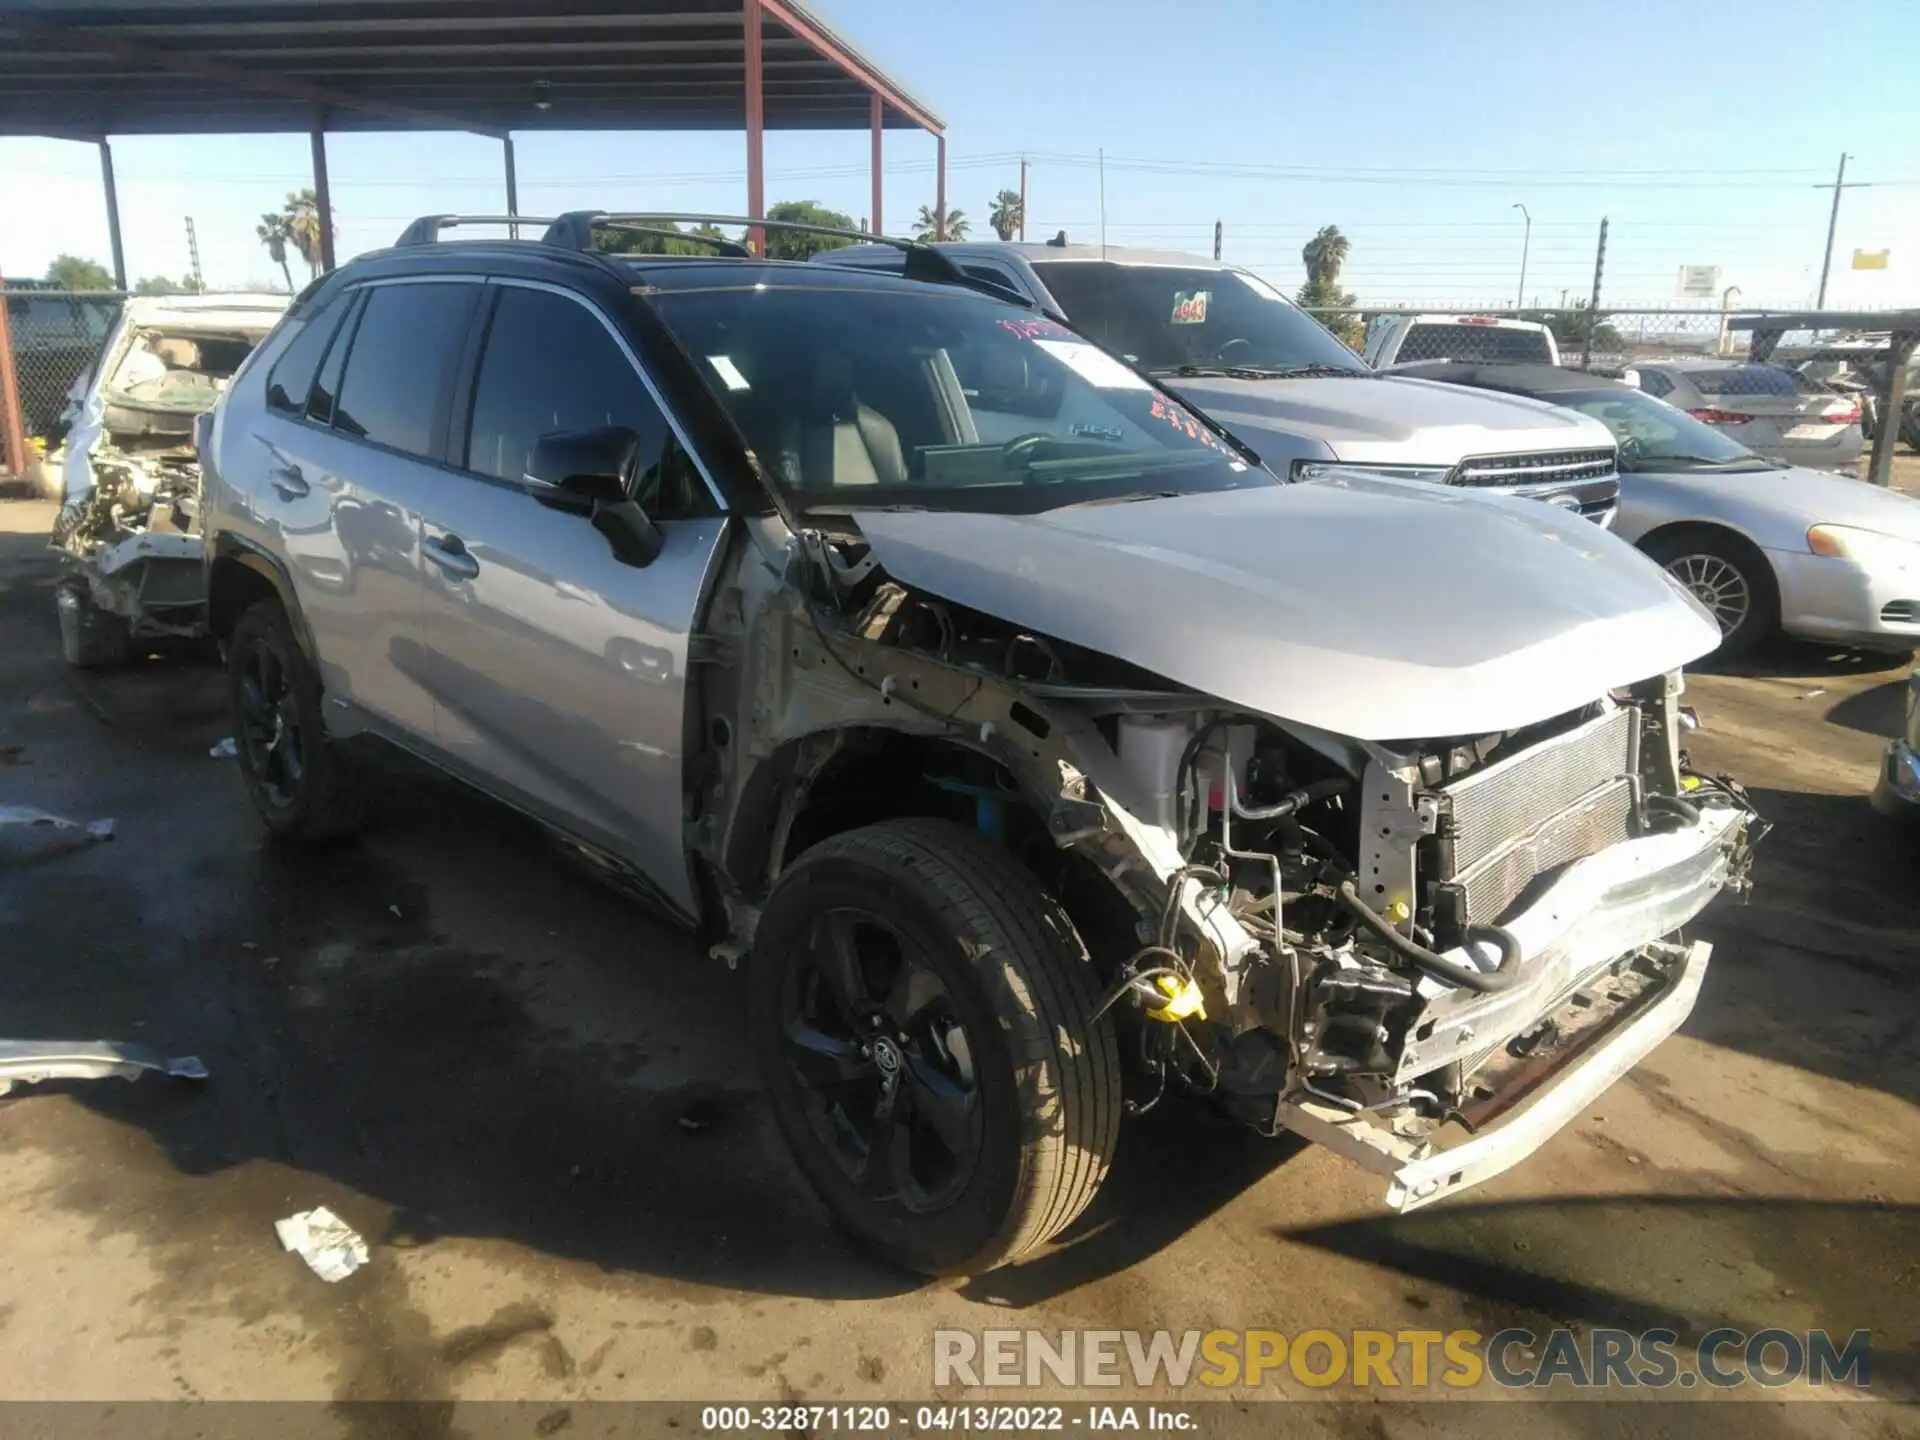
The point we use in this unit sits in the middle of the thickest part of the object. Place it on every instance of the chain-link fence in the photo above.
(55, 337)
(1607, 339)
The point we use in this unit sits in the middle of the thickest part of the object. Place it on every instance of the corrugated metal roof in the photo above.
(129, 67)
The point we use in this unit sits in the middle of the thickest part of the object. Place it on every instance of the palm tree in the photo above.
(928, 225)
(272, 231)
(1009, 214)
(1324, 254)
(302, 212)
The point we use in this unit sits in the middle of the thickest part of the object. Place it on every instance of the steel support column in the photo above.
(940, 190)
(113, 214)
(877, 119)
(756, 125)
(1901, 345)
(13, 442)
(513, 184)
(322, 195)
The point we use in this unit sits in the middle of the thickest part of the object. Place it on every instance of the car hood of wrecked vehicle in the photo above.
(1379, 610)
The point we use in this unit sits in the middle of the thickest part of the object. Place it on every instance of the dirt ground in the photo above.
(535, 1103)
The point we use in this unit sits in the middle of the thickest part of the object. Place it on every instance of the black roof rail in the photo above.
(924, 262)
(426, 230)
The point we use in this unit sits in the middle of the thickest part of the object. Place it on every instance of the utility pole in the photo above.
(1833, 224)
(1103, 204)
(1023, 199)
(1218, 235)
(1526, 244)
(1593, 305)
(193, 255)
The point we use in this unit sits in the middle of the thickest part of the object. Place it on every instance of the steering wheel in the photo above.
(1234, 352)
(1631, 446)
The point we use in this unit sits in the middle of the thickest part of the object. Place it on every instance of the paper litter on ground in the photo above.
(225, 749)
(330, 1246)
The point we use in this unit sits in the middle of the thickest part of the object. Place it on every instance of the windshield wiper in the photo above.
(1695, 462)
(1257, 372)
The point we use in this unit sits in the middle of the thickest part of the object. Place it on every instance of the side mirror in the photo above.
(589, 472)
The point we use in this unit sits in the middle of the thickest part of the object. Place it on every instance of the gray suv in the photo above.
(1036, 749)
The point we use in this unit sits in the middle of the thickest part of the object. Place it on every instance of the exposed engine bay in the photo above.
(129, 525)
(1390, 947)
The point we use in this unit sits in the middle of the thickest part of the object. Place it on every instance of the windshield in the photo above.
(167, 371)
(939, 399)
(1653, 435)
(1165, 317)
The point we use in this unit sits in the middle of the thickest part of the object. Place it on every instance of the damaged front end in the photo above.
(128, 529)
(1427, 954)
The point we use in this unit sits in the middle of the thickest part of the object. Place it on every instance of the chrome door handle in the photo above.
(450, 553)
(287, 481)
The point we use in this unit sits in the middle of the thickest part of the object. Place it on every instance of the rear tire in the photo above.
(1730, 577)
(922, 1012)
(302, 786)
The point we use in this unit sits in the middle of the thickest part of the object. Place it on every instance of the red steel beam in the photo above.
(756, 125)
(878, 122)
(806, 28)
(322, 194)
(11, 421)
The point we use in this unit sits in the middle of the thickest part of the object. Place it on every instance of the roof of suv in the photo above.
(1036, 252)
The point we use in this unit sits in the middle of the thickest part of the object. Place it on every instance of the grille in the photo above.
(1552, 467)
(1601, 818)
(1900, 612)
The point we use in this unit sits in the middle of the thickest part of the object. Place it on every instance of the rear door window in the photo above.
(400, 368)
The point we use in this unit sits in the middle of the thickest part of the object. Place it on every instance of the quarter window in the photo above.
(292, 374)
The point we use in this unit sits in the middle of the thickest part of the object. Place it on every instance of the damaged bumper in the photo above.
(1600, 988)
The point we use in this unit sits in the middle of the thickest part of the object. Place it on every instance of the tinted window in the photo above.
(292, 374)
(1747, 380)
(327, 387)
(1495, 344)
(838, 392)
(1655, 384)
(1654, 435)
(1167, 316)
(551, 365)
(402, 357)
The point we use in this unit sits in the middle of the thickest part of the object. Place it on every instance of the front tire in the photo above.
(1729, 577)
(922, 1012)
(301, 785)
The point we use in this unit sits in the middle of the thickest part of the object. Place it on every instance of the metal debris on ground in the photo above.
(29, 1062)
(224, 750)
(332, 1248)
(32, 833)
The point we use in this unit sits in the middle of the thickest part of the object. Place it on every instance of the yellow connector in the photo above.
(1184, 1000)
(1690, 782)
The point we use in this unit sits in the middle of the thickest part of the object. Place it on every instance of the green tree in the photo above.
(798, 245)
(1008, 215)
(73, 272)
(1569, 328)
(272, 231)
(927, 227)
(628, 242)
(1325, 254)
(302, 212)
(162, 285)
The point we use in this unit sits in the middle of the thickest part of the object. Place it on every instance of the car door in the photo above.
(559, 672)
(349, 460)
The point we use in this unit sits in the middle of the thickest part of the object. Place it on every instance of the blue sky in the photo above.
(1415, 127)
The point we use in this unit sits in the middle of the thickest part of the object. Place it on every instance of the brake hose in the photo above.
(1484, 981)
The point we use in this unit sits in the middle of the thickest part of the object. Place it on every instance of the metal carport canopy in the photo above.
(97, 68)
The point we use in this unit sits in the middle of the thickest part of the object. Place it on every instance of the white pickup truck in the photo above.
(1227, 341)
(1480, 339)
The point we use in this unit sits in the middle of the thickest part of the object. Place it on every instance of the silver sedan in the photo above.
(1764, 546)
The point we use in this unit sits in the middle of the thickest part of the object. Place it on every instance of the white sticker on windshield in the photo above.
(728, 371)
(1093, 365)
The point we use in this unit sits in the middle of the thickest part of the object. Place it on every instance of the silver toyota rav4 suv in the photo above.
(1035, 749)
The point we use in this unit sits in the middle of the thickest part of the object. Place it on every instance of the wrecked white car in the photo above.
(1037, 751)
(127, 527)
